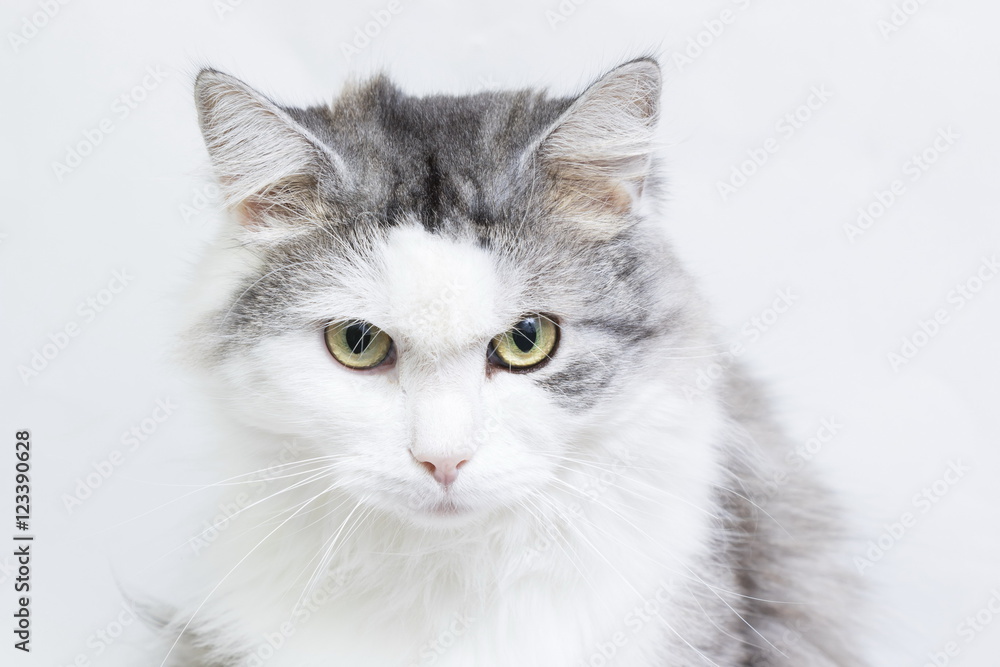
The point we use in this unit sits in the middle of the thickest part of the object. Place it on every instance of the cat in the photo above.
(452, 332)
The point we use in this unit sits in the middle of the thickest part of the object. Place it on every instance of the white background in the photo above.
(891, 93)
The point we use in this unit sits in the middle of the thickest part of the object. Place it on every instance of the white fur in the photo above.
(566, 521)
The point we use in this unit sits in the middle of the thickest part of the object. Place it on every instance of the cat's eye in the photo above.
(526, 345)
(358, 344)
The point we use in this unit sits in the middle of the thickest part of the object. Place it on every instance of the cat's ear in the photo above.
(270, 168)
(599, 152)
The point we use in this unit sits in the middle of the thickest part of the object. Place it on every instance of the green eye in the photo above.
(527, 344)
(357, 344)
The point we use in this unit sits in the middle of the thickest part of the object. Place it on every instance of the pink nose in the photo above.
(444, 469)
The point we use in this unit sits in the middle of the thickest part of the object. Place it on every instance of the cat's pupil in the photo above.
(358, 337)
(524, 334)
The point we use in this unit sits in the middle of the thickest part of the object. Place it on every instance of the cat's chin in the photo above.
(443, 515)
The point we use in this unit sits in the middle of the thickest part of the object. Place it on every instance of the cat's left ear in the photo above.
(270, 168)
(598, 154)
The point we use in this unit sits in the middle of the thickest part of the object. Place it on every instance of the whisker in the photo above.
(187, 625)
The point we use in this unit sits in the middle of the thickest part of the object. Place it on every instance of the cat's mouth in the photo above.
(444, 513)
(443, 509)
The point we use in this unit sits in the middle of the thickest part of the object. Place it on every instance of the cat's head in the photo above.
(454, 299)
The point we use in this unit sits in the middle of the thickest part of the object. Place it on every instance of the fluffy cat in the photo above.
(450, 330)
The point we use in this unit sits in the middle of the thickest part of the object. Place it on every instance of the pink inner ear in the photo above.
(594, 196)
(251, 213)
(289, 202)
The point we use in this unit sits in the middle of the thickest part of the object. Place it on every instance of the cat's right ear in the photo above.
(271, 169)
(598, 154)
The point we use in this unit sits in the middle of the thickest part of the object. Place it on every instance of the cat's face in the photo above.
(436, 396)
(445, 299)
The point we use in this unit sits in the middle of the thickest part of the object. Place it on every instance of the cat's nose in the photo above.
(443, 468)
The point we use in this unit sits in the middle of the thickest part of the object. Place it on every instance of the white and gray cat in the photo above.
(453, 323)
